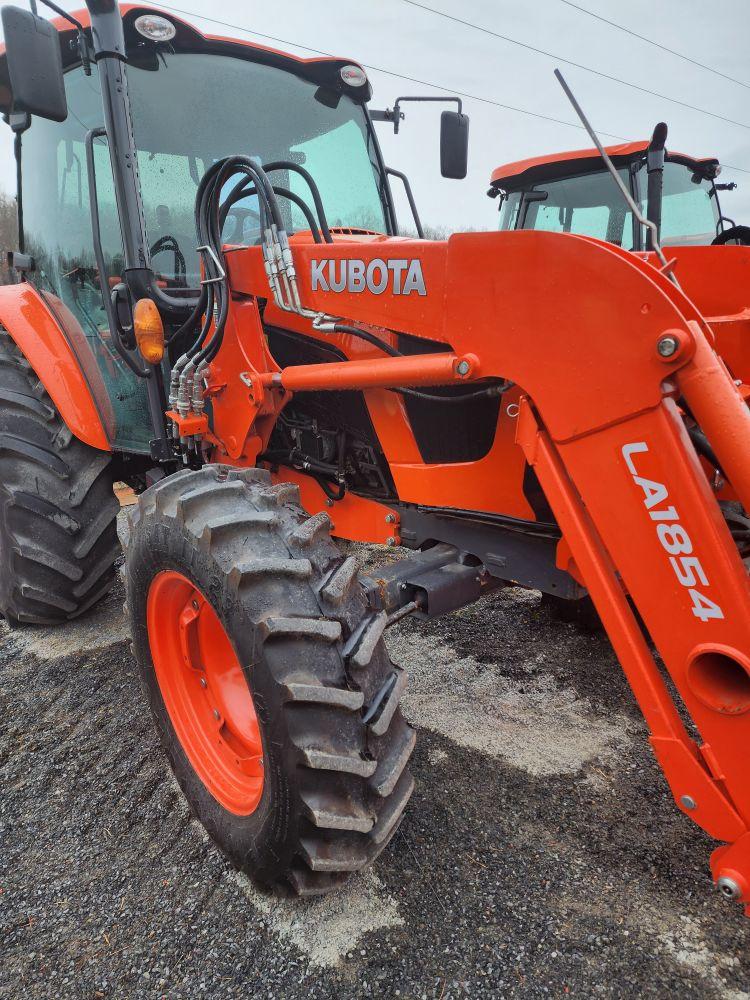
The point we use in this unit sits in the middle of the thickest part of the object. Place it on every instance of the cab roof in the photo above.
(323, 70)
(556, 166)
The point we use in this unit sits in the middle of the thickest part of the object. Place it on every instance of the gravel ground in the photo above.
(541, 855)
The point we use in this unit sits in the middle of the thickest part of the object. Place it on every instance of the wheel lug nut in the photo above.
(204, 682)
(195, 605)
(217, 714)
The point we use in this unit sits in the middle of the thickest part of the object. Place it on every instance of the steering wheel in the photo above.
(234, 226)
(739, 235)
(170, 244)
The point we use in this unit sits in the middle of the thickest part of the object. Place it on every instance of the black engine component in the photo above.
(328, 434)
(463, 432)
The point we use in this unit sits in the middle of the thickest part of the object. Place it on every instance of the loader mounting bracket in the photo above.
(438, 580)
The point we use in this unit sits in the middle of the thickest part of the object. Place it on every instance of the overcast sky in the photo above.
(402, 38)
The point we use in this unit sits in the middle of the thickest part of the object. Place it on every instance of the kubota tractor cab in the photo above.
(574, 192)
(214, 304)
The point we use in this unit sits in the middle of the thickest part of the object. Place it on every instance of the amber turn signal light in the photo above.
(149, 331)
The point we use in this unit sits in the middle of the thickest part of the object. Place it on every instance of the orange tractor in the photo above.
(214, 305)
(573, 193)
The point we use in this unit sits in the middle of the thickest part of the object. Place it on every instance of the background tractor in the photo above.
(214, 305)
(573, 193)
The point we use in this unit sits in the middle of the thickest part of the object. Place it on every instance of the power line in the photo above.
(658, 45)
(400, 76)
(569, 62)
(387, 72)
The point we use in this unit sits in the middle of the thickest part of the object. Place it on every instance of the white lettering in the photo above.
(356, 281)
(337, 284)
(397, 268)
(414, 279)
(632, 449)
(317, 276)
(356, 275)
(377, 288)
(673, 537)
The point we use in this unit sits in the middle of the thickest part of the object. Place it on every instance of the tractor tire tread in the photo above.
(58, 539)
(347, 785)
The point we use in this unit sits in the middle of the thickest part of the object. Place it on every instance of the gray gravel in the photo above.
(541, 855)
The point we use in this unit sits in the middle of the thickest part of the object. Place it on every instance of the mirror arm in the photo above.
(398, 115)
(412, 203)
(83, 45)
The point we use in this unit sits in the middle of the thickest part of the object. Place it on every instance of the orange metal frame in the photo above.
(57, 350)
(574, 323)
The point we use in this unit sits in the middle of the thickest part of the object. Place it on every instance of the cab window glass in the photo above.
(689, 213)
(509, 210)
(590, 204)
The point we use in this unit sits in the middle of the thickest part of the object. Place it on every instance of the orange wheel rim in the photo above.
(205, 692)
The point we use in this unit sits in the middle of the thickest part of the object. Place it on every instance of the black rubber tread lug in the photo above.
(31, 404)
(391, 767)
(278, 495)
(211, 531)
(316, 628)
(311, 528)
(191, 503)
(393, 808)
(251, 477)
(339, 584)
(362, 643)
(339, 854)
(250, 567)
(105, 564)
(307, 883)
(331, 813)
(321, 694)
(323, 760)
(16, 447)
(42, 598)
(386, 713)
(92, 532)
(33, 553)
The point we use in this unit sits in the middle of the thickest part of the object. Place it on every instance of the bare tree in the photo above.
(8, 234)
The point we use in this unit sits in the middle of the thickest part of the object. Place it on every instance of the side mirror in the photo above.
(454, 144)
(34, 65)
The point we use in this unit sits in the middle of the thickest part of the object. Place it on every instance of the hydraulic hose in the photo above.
(314, 191)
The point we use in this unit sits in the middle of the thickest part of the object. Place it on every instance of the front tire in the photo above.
(324, 693)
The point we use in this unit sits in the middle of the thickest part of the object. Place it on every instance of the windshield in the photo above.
(193, 109)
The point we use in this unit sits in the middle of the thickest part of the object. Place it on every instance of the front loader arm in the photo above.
(604, 349)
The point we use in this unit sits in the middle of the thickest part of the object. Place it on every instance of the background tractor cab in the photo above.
(574, 192)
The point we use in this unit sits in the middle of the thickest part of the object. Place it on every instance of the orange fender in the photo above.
(51, 339)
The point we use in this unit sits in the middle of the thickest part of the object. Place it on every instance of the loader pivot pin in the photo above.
(667, 346)
(728, 888)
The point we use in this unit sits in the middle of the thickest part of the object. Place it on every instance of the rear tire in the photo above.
(581, 612)
(335, 745)
(58, 538)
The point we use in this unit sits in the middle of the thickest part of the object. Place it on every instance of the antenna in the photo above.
(654, 233)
